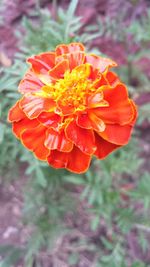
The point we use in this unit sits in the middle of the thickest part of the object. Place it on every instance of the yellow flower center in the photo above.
(72, 89)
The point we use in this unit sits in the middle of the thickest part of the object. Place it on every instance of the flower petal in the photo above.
(83, 121)
(75, 59)
(33, 105)
(135, 113)
(104, 148)
(18, 127)
(99, 62)
(120, 109)
(117, 134)
(58, 71)
(34, 140)
(97, 124)
(15, 113)
(30, 84)
(75, 161)
(42, 63)
(82, 138)
(96, 100)
(58, 140)
(65, 49)
(112, 78)
(49, 119)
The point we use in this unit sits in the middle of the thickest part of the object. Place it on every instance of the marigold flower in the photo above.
(73, 107)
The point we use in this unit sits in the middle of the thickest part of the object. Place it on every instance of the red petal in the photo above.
(42, 63)
(117, 134)
(33, 105)
(120, 109)
(56, 140)
(83, 121)
(99, 82)
(58, 71)
(82, 138)
(104, 148)
(65, 49)
(135, 113)
(99, 62)
(97, 124)
(96, 100)
(112, 78)
(25, 123)
(49, 119)
(75, 59)
(34, 139)
(15, 113)
(75, 161)
(30, 83)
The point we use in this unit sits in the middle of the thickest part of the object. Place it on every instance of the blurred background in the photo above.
(52, 218)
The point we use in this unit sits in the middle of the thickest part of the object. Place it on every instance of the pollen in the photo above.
(72, 89)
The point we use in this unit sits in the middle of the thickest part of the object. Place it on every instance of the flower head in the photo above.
(72, 107)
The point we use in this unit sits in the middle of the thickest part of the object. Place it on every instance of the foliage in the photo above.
(111, 187)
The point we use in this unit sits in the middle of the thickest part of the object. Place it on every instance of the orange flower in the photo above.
(73, 107)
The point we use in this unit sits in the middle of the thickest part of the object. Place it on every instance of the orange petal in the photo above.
(112, 78)
(30, 83)
(75, 59)
(33, 105)
(99, 62)
(19, 126)
(56, 140)
(82, 138)
(83, 121)
(34, 140)
(96, 100)
(49, 119)
(66, 110)
(99, 82)
(120, 109)
(15, 113)
(75, 161)
(42, 63)
(135, 113)
(104, 148)
(58, 71)
(96, 122)
(117, 134)
(65, 49)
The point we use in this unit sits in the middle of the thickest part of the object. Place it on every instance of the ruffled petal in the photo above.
(104, 148)
(75, 59)
(34, 140)
(33, 105)
(58, 71)
(135, 113)
(96, 100)
(112, 78)
(99, 62)
(120, 109)
(58, 140)
(15, 113)
(117, 134)
(99, 81)
(82, 138)
(83, 121)
(18, 127)
(97, 123)
(30, 84)
(75, 161)
(42, 63)
(65, 49)
(49, 119)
